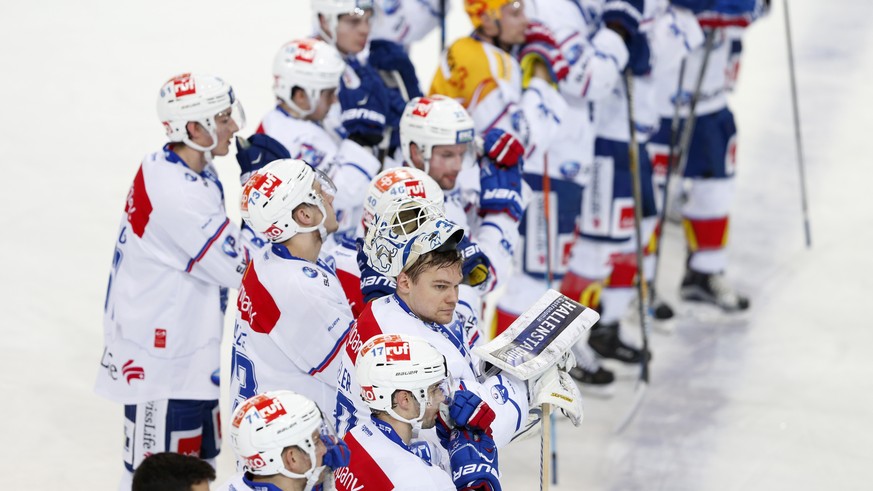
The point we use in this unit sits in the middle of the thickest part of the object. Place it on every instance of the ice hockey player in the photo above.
(292, 316)
(283, 444)
(404, 382)
(711, 155)
(176, 254)
(413, 242)
(480, 72)
(397, 181)
(167, 471)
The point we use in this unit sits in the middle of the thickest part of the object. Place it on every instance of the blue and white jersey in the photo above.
(176, 254)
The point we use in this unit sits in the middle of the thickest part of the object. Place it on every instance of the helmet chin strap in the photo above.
(312, 475)
(207, 151)
(322, 230)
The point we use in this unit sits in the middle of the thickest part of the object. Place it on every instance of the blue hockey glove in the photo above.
(639, 55)
(473, 456)
(365, 104)
(390, 57)
(500, 189)
(467, 409)
(728, 13)
(256, 152)
(502, 148)
(337, 454)
(373, 285)
(476, 267)
(623, 16)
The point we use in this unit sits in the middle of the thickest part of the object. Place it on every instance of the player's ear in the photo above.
(404, 283)
(305, 215)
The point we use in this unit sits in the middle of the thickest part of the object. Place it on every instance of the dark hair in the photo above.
(171, 472)
(435, 259)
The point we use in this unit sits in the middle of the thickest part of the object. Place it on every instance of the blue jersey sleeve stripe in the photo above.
(333, 352)
(207, 245)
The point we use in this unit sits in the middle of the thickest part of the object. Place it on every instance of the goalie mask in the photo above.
(435, 120)
(401, 182)
(332, 9)
(197, 98)
(265, 425)
(405, 229)
(271, 195)
(310, 64)
(391, 362)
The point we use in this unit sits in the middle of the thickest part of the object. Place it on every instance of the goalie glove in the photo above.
(473, 456)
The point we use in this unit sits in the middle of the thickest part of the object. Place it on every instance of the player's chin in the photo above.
(444, 316)
(221, 150)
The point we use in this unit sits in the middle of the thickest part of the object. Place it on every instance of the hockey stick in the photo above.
(633, 156)
(677, 157)
(545, 444)
(442, 25)
(797, 139)
(550, 277)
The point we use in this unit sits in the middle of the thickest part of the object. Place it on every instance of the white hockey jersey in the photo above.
(292, 319)
(163, 315)
(390, 315)
(380, 461)
(349, 165)
(405, 21)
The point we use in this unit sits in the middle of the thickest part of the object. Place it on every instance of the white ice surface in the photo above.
(780, 401)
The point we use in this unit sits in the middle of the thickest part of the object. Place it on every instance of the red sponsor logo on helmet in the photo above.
(368, 394)
(415, 189)
(255, 461)
(391, 178)
(184, 85)
(422, 107)
(305, 52)
(397, 351)
(266, 183)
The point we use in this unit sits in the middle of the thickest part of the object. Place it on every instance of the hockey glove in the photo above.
(695, 6)
(365, 104)
(256, 152)
(540, 46)
(500, 190)
(502, 148)
(476, 267)
(473, 456)
(373, 285)
(337, 454)
(467, 409)
(639, 59)
(390, 57)
(623, 16)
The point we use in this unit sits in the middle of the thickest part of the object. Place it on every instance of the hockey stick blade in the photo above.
(639, 395)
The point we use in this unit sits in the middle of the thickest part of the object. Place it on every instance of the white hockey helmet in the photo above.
(310, 64)
(400, 182)
(265, 425)
(199, 98)
(391, 362)
(403, 230)
(332, 9)
(435, 120)
(272, 193)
